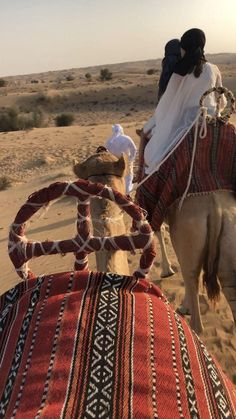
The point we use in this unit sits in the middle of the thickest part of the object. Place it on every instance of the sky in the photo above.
(43, 35)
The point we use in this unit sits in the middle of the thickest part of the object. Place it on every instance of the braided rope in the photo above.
(21, 250)
(224, 115)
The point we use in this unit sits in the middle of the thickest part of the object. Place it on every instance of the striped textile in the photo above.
(91, 345)
(214, 169)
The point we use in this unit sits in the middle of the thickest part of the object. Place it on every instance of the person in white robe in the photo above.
(178, 108)
(120, 143)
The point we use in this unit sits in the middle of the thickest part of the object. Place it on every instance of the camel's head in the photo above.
(101, 163)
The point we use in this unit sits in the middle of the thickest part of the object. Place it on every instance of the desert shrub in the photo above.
(150, 71)
(3, 83)
(38, 118)
(70, 77)
(105, 74)
(9, 120)
(34, 81)
(12, 120)
(64, 120)
(5, 183)
(31, 120)
(88, 76)
(42, 99)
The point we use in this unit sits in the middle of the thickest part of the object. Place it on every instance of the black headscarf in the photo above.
(192, 42)
(172, 56)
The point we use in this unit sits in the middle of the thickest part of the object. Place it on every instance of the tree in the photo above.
(88, 76)
(70, 77)
(105, 74)
(3, 83)
(64, 120)
(150, 71)
(9, 120)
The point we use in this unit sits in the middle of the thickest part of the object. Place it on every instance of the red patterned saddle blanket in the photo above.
(214, 168)
(92, 345)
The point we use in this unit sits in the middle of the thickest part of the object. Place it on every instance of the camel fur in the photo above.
(107, 217)
(203, 234)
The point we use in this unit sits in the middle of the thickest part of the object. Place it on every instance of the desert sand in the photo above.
(36, 158)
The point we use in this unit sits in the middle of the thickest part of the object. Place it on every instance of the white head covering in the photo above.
(117, 130)
(177, 111)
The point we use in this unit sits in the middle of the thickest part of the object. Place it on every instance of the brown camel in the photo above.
(196, 188)
(203, 235)
(107, 217)
(203, 231)
(105, 168)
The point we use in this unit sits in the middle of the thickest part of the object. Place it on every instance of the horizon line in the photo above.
(102, 65)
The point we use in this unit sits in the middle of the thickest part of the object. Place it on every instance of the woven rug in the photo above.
(214, 169)
(90, 345)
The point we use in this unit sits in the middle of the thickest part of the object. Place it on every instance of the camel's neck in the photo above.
(108, 220)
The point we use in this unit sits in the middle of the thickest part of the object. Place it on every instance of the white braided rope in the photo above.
(66, 188)
(20, 244)
(140, 223)
(15, 225)
(76, 188)
(131, 240)
(111, 240)
(83, 261)
(85, 202)
(144, 272)
(82, 218)
(55, 245)
(84, 243)
(202, 134)
(24, 269)
(150, 239)
(126, 204)
(111, 193)
(102, 241)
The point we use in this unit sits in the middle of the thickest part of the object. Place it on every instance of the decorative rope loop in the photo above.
(21, 250)
(225, 114)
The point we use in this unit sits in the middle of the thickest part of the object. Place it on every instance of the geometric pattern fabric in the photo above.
(92, 345)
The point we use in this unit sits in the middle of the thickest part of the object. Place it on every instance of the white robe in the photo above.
(176, 112)
(120, 143)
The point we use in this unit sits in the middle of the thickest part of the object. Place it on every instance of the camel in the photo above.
(104, 167)
(203, 232)
(195, 190)
(107, 217)
(203, 235)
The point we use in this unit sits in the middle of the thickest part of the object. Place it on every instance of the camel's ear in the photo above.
(75, 162)
(121, 163)
(78, 168)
